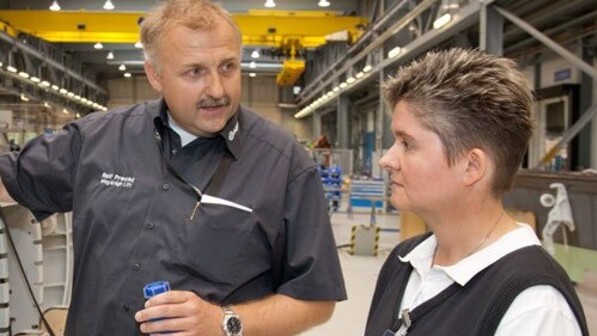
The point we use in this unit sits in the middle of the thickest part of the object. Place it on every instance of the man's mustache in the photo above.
(213, 102)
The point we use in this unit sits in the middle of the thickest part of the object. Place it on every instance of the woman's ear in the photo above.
(477, 165)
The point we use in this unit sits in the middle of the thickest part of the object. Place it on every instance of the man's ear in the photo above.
(477, 165)
(152, 76)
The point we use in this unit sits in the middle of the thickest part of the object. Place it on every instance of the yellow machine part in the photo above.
(290, 73)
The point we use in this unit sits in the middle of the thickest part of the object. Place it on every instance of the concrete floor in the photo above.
(360, 274)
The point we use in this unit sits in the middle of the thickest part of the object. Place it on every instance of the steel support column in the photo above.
(491, 30)
(342, 120)
(316, 125)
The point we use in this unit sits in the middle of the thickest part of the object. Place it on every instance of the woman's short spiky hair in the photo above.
(200, 15)
(470, 99)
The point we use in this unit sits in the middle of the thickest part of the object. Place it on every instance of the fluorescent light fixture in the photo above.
(350, 80)
(122, 67)
(336, 89)
(255, 54)
(70, 94)
(24, 98)
(84, 100)
(35, 79)
(110, 56)
(108, 5)
(0, 64)
(45, 84)
(55, 87)
(11, 69)
(98, 45)
(77, 97)
(442, 21)
(343, 85)
(47, 105)
(127, 75)
(323, 3)
(78, 115)
(270, 4)
(359, 74)
(63, 91)
(367, 68)
(252, 74)
(65, 111)
(54, 7)
(138, 45)
(394, 52)
(252, 65)
(23, 74)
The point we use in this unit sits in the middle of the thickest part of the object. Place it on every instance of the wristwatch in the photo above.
(231, 323)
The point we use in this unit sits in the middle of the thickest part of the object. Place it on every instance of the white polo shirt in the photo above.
(538, 310)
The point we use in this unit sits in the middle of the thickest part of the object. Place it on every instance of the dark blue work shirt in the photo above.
(132, 216)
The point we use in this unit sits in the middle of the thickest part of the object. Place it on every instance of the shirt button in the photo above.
(136, 267)
(166, 186)
(126, 308)
(150, 226)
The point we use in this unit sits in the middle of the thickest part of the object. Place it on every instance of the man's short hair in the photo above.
(199, 15)
(470, 99)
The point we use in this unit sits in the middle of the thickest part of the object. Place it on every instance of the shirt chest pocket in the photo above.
(214, 243)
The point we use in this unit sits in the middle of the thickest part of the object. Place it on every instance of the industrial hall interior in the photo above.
(322, 72)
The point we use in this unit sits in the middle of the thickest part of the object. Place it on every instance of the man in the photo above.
(192, 189)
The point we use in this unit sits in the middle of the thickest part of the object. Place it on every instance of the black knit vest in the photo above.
(478, 307)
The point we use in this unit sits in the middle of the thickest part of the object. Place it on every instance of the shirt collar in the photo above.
(231, 133)
(464, 270)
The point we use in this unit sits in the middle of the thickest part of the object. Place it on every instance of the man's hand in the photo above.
(182, 312)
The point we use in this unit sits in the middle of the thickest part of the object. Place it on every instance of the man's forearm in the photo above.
(4, 196)
(280, 315)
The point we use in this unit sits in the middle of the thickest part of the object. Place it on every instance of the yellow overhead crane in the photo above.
(286, 30)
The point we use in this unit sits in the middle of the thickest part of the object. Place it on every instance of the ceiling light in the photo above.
(78, 115)
(323, 3)
(108, 5)
(65, 111)
(394, 52)
(343, 85)
(336, 89)
(63, 91)
(442, 21)
(55, 87)
(11, 69)
(98, 45)
(35, 79)
(270, 4)
(47, 105)
(350, 80)
(367, 68)
(138, 45)
(122, 67)
(255, 54)
(359, 74)
(70, 94)
(252, 74)
(110, 56)
(45, 84)
(252, 65)
(127, 74)
(24, 98)
(54, 7)
(24, 74)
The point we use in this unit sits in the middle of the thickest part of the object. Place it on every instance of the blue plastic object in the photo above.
(158, 287)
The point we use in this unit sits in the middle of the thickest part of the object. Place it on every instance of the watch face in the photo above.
(234, 325)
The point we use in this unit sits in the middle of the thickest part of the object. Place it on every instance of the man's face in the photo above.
(199, 76)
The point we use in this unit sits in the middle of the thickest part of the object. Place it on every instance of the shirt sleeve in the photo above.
(41, 176)
(312, 268)
(539, 310)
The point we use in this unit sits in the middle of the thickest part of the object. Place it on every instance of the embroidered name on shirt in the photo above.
(115, 180)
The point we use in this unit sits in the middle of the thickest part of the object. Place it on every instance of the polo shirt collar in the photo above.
(231, 133)
(463, 271)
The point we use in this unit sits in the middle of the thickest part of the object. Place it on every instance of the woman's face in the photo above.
(421, 179)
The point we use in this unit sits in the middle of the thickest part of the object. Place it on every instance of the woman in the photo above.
(462, 121)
